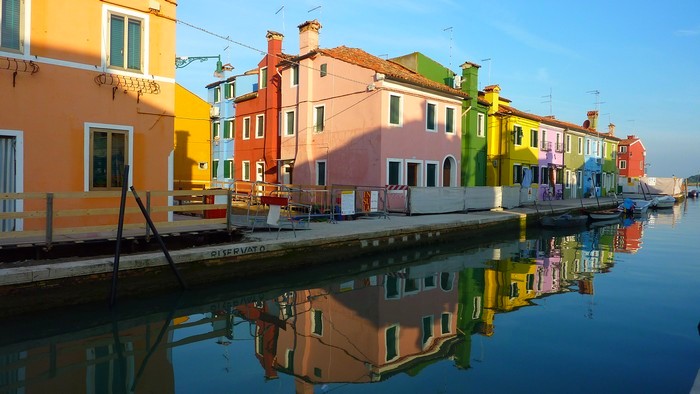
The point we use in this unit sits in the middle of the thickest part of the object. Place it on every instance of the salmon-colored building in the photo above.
(363, 120)
(87, 87)
(631, 158)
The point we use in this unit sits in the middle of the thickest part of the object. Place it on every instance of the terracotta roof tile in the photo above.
(508, 110)
(390, 69)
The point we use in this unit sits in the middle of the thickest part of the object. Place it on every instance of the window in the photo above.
(534, 170)
(449, 120)
(246, 171)
(623, 164)
(533, 138)
(125, 41)
(392, 338)
(588, 147)
(431, 175)
(568, 179)
(605, 149)
(427, 331)
(623, 149)
(317, 322)
(394, 172)
(480, 125)
(229, 90)
(429, 282)
(395, 110)
(215, 130)
(263, 78)
(246, 128)
(579, 179)
(228, 128)
(289, 123)
(445, 320)
(430, 117)
(319, 118)
(568, 144)
(517, 135)
(295, 75)
(580, 145)
(259, 126)
(11, 25)
(228, 168)
(517, 173)
(215, 168)
(391, 287)
(217, 94)
(321, 173)
(109, 153)
(324, 69)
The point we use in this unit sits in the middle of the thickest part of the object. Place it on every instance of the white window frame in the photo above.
(434, 126)
(260, 171)
(580, 145)
(623, 148)
(20, 29)
(604, 150)
(217, 94)
(325, 172)
(396, 342)
(315, 119)
(568, 143)
(401, 170)
(517, 135)
(588, 147)
(216, 130)
(228, 163)
(87, 127)
(427, 337)
(449, 108)
(245, 170)
(449, 323)
(400, 122)
(287, 132)
(437, 173)
(229, 91)
(262, 78)
(294, 76)
(245, 132)
(215, 168)
(107, 11)
(480, 125)
(567, 185)
(19, 171)
(623, 164)
(260, 126)
(231, 129)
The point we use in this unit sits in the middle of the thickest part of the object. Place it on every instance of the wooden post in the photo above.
(120, 228)
(49, 220)
(229, 199)
(148, 209)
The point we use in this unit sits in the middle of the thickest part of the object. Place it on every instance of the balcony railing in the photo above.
(560, 147)
(546, 146)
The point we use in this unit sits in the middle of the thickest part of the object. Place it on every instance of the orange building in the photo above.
(88, 86)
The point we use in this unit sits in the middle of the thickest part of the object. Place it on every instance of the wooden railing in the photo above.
(46, 215)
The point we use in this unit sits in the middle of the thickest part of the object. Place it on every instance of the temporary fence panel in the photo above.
(397, 198)
(427, 200)
(364, 201)
(481, 198)
(510, 197)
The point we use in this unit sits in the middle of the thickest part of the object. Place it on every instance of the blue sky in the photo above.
(642, 57)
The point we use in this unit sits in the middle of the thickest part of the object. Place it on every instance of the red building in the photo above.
(631, 158)
(257, 141)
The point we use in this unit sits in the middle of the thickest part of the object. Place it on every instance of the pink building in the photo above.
(349, 117)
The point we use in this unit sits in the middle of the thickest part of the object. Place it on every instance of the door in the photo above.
(260, 171)
(8, 184)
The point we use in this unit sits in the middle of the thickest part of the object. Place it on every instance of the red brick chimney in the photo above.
(593, 120)
(274, 42)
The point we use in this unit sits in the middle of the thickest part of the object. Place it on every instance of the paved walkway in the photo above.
(375, 233)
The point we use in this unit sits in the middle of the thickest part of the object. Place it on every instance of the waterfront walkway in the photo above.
(270, 250)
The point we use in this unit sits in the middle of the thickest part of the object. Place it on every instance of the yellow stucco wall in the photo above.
(501, 147)
(192, 141)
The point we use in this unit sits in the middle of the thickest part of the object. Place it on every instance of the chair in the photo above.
(274, 215)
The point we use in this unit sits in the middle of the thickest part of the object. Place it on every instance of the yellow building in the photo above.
(510, 140)
(192, 141)
(508, 285)
(88, 86)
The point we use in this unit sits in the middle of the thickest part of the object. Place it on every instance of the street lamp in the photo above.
(184, 61)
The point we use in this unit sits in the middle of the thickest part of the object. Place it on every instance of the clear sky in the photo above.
(642, 57)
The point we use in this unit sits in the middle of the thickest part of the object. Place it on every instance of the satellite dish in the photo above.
(586, 124)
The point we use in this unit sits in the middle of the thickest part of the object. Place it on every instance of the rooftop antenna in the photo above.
(450, 61)
(488, 59)
(597, 101)
(278, 11)
(314, 9)
(549, 101)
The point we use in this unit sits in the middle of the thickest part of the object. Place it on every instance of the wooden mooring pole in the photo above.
(120, 228)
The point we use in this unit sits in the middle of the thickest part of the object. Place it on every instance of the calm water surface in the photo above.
(609, 309)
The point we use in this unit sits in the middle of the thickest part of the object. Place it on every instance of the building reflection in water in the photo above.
(409, 312)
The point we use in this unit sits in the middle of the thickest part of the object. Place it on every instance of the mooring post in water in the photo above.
(160, 240)
(120, 228)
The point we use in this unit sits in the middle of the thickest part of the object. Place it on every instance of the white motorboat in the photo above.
(663, 202)
(637, 207)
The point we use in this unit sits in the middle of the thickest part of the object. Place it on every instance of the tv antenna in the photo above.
(314, 9)
(549, 96)
(488, 59)
(450, 61)
(597, 98)
(282, 11)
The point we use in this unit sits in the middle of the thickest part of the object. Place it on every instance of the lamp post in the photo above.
(184, 61)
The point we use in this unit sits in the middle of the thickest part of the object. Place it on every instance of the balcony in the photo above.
(560, 147)
(546, 146)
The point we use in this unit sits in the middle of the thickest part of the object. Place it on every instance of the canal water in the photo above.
(612, 308)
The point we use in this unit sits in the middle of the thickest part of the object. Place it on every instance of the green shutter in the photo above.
(134, 45)
(227, 168)
(214, 169)
(10, 24)
(227, 128)
(394, 110)
(431, 117)
(215, 131)
(450, 121)
(116, 41)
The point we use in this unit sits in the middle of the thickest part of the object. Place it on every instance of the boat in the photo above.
(564, 220)
(605, 214)
(636, 207)
(663, 202)
(693, 194)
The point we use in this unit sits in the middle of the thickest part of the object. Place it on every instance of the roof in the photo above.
(390, 69)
